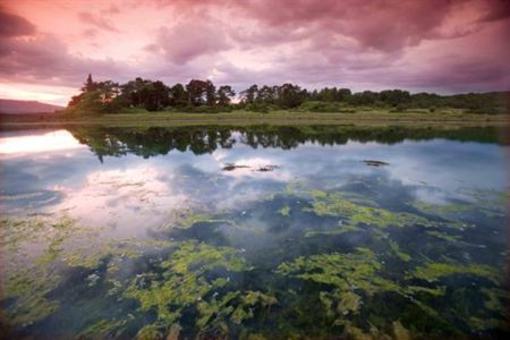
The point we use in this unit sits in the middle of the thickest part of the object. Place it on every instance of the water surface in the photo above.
(268, 232)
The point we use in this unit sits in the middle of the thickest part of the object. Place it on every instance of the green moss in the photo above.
(435, 271)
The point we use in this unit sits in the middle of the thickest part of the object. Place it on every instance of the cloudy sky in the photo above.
(47, 47)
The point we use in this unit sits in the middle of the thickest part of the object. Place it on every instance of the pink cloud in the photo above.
(14, 26)
(191, 38)
(436, 45)
(97, 21)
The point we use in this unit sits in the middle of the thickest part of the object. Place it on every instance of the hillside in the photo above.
(26, 106)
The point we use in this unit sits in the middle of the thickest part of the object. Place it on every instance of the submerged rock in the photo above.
(261, 168)
(375, 163)
(231, 167)
(266, 168)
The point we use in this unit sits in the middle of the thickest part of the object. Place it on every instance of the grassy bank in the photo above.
(449, 118)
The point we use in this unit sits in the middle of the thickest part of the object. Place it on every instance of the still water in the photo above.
(253, 233)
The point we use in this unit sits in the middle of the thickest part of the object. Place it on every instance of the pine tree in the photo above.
(89, 85)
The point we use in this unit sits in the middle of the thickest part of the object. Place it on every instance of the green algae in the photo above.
(103, 329)
(150, 332)
(234, 306)
(198, 277)
(491, 203)
(495, 298)
(395, 248)
(437, 270)
(30, 275)
(438, 291)
(347, 272)
(183, 280)
(284, 211)
(346, 228)
(39, 248)
(443, 209)
(340, 302)
(184, 219)
(443, 236)
(15, 231)
(336, 204)
(29, 288)
(248, 302)
(128, 248)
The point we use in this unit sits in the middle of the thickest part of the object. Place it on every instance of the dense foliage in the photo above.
(204, 96)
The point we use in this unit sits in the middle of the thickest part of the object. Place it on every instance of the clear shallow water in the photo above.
(263, 231)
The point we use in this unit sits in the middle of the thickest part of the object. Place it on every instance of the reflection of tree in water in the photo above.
(200, 140)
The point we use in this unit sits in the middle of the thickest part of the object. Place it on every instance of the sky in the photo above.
(48, 47)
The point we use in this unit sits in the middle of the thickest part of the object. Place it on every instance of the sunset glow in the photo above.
(48, 47)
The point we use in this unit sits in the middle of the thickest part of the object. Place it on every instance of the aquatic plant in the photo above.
(284, 211)
(437, 270)
(335, 204)
(395, 248)
(183, 281)
(351, 275)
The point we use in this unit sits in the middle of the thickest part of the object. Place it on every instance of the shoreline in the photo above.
(169, 119)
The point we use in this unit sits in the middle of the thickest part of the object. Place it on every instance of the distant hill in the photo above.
(26, 106)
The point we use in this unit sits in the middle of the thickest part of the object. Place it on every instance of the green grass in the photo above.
(363, 117)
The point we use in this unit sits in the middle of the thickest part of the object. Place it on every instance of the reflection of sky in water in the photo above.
(15, 144)
(129, 194)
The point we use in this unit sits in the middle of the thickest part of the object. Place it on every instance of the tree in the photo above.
(250, 94)
(224, 94)
(178, 95)
(266, 95)
(343, 94)
(89, 84)
(290, 96)
(210, 93)
(197, 92)
(394, 97)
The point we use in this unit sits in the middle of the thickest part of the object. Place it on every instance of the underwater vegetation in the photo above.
(299, 263)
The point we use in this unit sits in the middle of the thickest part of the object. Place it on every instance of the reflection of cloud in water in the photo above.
(36, 143)
(128, 200)
(133, 193)
(16, 203)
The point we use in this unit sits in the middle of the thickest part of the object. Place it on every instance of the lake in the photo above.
(253, 232)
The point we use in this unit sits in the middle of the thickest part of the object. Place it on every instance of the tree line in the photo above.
(203, 96)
